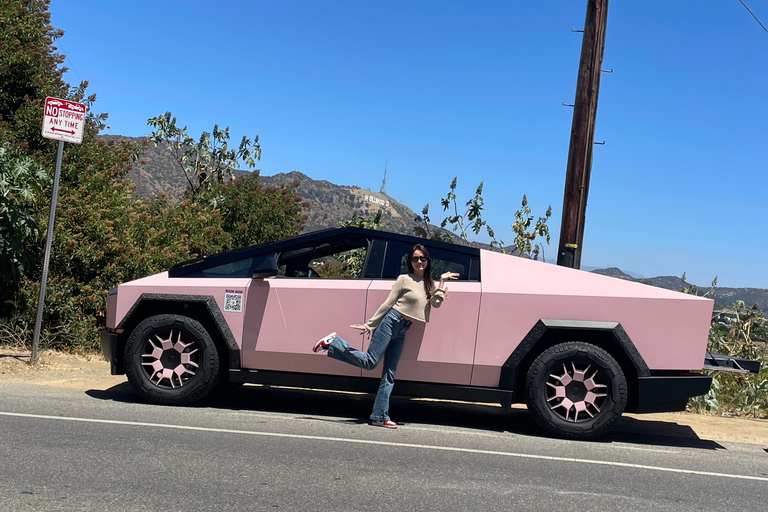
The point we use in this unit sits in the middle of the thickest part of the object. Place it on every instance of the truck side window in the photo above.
(443, 260)
(341, 258)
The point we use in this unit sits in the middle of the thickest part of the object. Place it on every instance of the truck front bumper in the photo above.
(669, 393)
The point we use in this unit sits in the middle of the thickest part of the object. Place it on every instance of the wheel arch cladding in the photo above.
(610, 336)
(202, 308)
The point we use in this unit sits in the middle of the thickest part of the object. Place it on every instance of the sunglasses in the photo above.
(416, 259)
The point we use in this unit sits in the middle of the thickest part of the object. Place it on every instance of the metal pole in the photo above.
(48, 242)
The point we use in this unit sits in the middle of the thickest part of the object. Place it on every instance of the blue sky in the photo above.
(474, 90)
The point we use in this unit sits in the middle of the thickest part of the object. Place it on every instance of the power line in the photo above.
(753, 15)
(71, 67)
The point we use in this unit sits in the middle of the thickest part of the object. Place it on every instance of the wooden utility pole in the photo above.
(582, 135)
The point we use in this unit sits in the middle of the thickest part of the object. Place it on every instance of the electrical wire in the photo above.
(753, 15)
(71, 67)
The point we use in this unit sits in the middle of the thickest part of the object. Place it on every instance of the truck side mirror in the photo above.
(265, 266)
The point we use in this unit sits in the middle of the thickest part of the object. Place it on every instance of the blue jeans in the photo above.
(387, 340)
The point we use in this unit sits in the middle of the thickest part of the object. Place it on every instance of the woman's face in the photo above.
(419, 262)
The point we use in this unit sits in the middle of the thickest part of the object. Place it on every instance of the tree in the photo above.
(209, 159)
(253, 214)
(21, 184)
(29, 71)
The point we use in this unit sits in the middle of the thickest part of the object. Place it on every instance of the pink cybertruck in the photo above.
(578, 348)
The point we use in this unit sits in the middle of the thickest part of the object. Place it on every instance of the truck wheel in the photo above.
(576, 390)
(171, 359)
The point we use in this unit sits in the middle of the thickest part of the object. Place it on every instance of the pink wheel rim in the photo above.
(169, 363)
(574, 393)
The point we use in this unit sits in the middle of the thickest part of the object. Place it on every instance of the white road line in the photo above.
(391, 444)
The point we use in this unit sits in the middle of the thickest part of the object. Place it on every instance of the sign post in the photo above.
(63, 121)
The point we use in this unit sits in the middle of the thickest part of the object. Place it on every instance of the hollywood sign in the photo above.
(376, 200)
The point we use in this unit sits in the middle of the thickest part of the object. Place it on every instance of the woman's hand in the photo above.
(449, 275)
(361, 327)
(446, 276)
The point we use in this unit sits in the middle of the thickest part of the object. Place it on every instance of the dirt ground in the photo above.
(92, 372)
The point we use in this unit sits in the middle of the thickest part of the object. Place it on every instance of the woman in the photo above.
(411, 299)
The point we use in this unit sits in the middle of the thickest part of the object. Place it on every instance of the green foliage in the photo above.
(359, 221)
(253, 214)
(525, 236)
(21, 185)
(472, 216)
(739, 332)
(29, 71)
(424, 230)
(344, 265)
(210, 159)
(102, 237)
(105, 236)
(471, 219)
(692, 289)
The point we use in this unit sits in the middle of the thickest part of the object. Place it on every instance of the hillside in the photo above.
(331, 204)
(724, 296)
(156, 171)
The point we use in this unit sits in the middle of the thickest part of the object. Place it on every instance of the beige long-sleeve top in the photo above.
(408, 298)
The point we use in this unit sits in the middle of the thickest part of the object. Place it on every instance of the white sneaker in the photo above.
(324, 343)
(384, 423)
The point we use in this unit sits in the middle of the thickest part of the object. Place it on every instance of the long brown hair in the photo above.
(429, 282)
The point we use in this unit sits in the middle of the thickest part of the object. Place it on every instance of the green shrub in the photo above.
(740, 332)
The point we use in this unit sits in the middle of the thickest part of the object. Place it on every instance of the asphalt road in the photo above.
(263, 448)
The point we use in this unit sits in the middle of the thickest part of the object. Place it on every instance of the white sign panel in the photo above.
(63, 120)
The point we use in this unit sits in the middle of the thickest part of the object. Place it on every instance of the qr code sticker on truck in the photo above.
(233, 302)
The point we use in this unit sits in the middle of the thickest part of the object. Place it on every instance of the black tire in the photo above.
(171, 359)
(585, 407)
